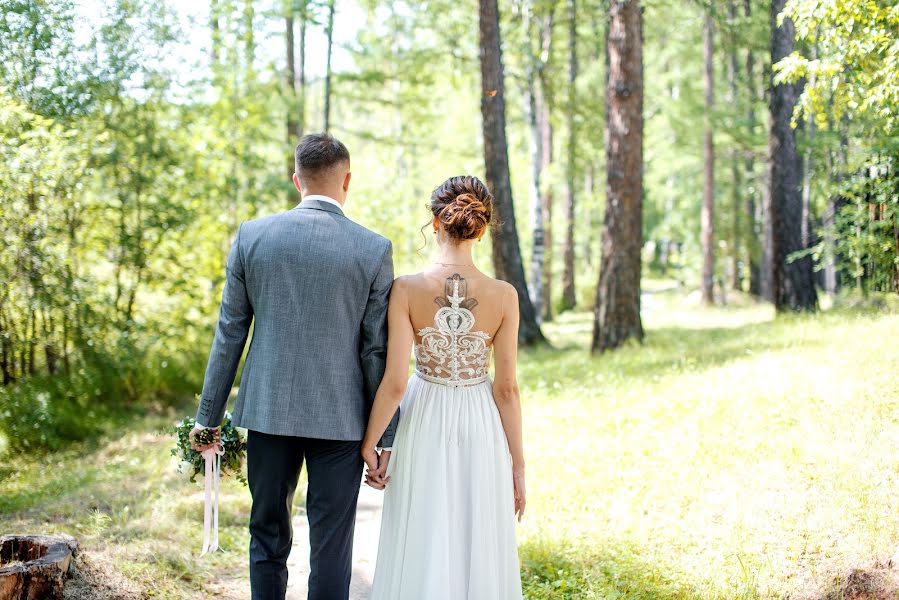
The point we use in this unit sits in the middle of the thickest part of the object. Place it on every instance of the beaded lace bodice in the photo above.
(450, 353)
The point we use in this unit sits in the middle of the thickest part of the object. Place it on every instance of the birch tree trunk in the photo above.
(708, 193)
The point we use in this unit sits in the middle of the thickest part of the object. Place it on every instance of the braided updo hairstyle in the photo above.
(464, 206)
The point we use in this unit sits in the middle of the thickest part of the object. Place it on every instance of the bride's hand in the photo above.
(377, 477)
(520, 494)
(370, 456)
(376, 467)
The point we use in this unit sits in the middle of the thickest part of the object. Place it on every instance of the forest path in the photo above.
(365, 548)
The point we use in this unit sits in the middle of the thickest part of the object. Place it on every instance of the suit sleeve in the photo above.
(231, 331)
(373, 350)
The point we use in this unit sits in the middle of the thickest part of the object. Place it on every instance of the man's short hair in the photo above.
(317, 154)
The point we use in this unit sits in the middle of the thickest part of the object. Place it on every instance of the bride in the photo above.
(456, 480)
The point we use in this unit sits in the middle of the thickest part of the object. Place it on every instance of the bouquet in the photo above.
(227, 456)
(233, 442)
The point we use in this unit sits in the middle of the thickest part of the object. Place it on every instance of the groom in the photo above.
(316, 284)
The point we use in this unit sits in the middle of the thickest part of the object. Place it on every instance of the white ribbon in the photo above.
(213, 459)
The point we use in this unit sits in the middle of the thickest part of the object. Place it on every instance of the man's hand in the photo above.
(376, 474)
(519, 491)
(192, 436)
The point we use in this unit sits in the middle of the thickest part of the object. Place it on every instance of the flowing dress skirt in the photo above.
(448, 526)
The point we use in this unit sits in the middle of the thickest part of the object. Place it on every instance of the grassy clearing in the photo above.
(731, 456)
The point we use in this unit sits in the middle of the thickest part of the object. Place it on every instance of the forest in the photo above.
(689, 192)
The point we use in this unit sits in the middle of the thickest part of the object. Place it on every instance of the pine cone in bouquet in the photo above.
(190, 462)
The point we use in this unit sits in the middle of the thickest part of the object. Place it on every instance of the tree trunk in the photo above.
(249, 16)
(793, 283)
(295, 86)
(753, 231)
(569, 295)
(597, 47)
(834, 204)
(546, 145)
(807, 170)
(215, 46)
(736, 176)
(763, 208)
(763, 214)
(806, 224)
(708, 193)
(7, 357)
(617, 312)
(330, 34)
(589, 189)
(546, 204)
(506, 250)
(831, 275)
(33, 270)
(837, 170)
(532, 109)
(32, 344)
(290, 87)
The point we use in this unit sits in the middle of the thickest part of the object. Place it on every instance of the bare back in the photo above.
(455, 313)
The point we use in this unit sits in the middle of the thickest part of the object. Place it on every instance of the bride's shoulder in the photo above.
(407, 279)
(505, 293)
(404, 283)
(499, 286)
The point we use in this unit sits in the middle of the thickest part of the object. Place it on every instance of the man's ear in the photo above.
(296, 183)
(346, 181)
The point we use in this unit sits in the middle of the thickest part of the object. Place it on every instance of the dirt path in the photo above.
(365, 548)
(236, 586)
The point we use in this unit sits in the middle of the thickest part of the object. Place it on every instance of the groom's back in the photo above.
(308, 275)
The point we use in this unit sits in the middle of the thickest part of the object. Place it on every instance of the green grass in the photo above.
(733, 455)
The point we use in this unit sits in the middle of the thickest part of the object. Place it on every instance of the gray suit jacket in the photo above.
(317, 286)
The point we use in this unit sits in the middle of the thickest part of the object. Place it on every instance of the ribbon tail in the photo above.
(207, 504)
(215, 507)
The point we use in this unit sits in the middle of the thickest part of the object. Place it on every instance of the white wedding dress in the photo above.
(448, 526)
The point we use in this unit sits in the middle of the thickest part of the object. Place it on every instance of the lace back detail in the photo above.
(450, 353)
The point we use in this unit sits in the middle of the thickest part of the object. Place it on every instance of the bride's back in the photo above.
(455, 312)
(429, 290)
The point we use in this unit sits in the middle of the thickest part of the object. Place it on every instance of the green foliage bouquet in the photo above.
(191, 462)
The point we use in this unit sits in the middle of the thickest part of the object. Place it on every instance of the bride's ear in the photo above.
(435, 224)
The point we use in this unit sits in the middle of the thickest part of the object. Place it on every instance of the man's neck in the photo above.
(326, 193)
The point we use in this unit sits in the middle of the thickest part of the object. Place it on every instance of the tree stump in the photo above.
(35, 566)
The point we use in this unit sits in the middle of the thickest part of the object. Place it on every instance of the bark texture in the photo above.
(617, 312)
(569, 295)
(793, 282)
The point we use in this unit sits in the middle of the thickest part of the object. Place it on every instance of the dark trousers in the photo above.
(334, 469)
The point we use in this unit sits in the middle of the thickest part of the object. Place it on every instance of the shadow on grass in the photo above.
(555, 571)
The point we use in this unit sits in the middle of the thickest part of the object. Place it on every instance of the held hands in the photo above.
(204, 438)
(519, 491)
(376, 472)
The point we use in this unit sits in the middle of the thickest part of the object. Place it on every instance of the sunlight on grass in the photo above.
(740, 456)
(733, 455)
